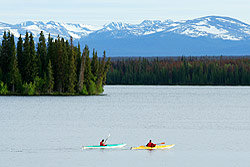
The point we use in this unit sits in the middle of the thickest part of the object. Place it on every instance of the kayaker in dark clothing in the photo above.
(102, 143)
(150, 144)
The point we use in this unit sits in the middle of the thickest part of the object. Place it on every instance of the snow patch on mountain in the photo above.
(64, 30)
(216, 27)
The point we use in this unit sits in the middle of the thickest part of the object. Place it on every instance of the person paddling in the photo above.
(102, 143)
(150, 144)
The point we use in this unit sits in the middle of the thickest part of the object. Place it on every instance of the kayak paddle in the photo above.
(107, 138)
(160, 143)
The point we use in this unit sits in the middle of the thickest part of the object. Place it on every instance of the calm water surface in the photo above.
(209, 125)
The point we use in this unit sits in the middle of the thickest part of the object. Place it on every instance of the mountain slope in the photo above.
(211, 35)
(54, 28)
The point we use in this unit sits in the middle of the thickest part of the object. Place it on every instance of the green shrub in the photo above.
(84, 90)
(92, 88)
(99, 89)
(39, 85)
(3, 88)
(29, 89)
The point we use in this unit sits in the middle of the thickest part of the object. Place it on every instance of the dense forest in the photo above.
(180, 71)
(55, 68)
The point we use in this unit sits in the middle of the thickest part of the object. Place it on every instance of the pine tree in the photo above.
(101, 70)
(5, 58)
(67, 51)
(100, 75)
(58, 65)
(26, 59)
(20, 58)
(82, 69)
(72, 68)
(106, 69)
(15, 76)
(94, 65)
(34, 59)
(50, 50)
(50, 78)
(88, 76)
(42, 55)
(64, 65)
(78, 60)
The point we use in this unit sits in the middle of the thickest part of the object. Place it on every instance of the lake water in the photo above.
(209, 125)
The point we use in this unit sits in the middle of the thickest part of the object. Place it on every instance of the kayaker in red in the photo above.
(102, 143)
(150, 144)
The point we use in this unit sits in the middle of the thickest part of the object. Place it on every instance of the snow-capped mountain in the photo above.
(225, 28)
(211, 35)
(215, 27)
(211, 26)
(64, 30)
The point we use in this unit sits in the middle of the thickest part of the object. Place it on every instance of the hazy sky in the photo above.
(99, 12)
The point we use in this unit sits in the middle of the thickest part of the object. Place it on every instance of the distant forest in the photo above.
(55, 68)
(180, 71)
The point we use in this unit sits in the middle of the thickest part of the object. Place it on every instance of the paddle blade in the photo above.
(160, 143)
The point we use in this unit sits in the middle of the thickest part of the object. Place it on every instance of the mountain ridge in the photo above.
(213, 34)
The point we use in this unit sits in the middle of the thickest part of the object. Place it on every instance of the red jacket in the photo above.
(150, 144)
(102, 144)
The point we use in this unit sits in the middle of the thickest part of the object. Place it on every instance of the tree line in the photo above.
(180, 71)
(53, 68)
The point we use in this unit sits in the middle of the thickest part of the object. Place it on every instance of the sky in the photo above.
(100, 12)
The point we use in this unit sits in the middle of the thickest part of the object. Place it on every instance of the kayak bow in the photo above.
(107, 146)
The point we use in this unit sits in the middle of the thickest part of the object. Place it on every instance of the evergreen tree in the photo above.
(72, 69)
(42, 55)
(20, 58)
(101, 70)
(34, 59)
(67, 51)
(106, 69)
(88, 76)
(50, 51)
(26, 63)
(50, 78)
(65, 65)
(14, 75)
(82, 69)
(59, 65)
(5, 58)
(94, 65)
(78, 60)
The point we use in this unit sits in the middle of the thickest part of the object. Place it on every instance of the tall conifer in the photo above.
(94, 65)
(26, 59)
(50, 78)
(59, 65)
(42, 55)
(14, 75)
(20, 57)
(5, 58)
(88, 76)
(34, 59)
(72, 68)
(82, 69)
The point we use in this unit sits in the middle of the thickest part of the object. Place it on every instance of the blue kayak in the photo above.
(107, 146)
